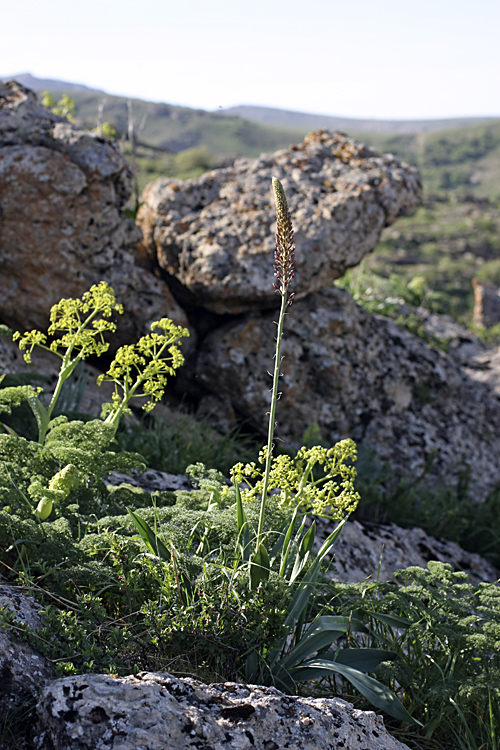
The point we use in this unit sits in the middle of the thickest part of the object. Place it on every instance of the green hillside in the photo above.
(461, 159)
(452, 238)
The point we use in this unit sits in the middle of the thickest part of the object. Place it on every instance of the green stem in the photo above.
(67, 367)
(114, 417)
(274, 399)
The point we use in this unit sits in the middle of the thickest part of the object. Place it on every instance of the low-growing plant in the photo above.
(72, 453)
(448, 675)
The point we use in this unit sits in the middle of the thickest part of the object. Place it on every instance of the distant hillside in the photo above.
(168, 127)
(453, 155)
(46, 84)
(286, 118)
(461, 160)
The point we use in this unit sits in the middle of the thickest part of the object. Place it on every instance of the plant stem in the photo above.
(272, 413)
(284, 273)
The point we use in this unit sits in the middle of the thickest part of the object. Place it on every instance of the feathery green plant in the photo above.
(80, 450)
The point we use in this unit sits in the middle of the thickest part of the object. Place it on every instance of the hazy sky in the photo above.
(359, 58)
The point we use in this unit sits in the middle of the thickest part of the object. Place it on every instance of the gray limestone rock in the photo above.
(23, 671)
(154, 711)
(361, 376)
(62, 227)
(376, 551)
(215, 235)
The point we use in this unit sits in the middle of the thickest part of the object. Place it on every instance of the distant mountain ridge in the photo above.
(46, 84)
(283, 118)
(293, 119)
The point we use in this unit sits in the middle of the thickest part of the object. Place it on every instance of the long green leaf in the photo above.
(8, 429)
(303, 551)
(283, 543)
(378, 695)
(151, 539)
(292, 550)
(392, 620)
(243, 527)
(364, 659)
(304, 590)
(323, 632)
(331, 539)
(259, 566)
(41, 414)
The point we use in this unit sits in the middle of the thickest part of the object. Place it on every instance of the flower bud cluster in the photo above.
(284, 267)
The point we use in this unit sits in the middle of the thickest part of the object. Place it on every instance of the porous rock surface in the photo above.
(22, 670)
(376, 551)
(62, 227)
(155, 711)
(215, 235)
(361, 376)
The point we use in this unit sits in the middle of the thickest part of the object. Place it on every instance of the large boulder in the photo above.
(361, 376)
(214, 236)
(155, 711)
(62, 227)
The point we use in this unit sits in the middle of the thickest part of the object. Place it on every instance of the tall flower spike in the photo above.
(284, 271)
(284, 267)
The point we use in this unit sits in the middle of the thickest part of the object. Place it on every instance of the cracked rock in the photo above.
(156, 711)
(214, 236)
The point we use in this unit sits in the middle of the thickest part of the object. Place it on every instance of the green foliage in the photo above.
(331, 494)
(448, 675)
(77, 327)
(290, 660)
(224, 582)
(106, 130)
(72, 452)
(192, 162)
(65, 107)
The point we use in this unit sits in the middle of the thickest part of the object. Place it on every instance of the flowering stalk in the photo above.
(284, 271)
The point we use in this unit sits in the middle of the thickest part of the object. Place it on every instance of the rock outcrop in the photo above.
(62, 227)
(361, 376)
(155, 711)
(23, 671)
(215, 235)
(376, 551)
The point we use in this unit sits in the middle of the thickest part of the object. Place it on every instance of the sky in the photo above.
(387, 59)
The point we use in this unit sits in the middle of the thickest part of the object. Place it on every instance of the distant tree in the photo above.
(65, 107)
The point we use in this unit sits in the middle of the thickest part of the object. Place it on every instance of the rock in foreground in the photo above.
(154, 711)
(215, 235)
